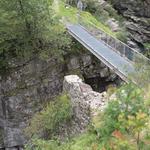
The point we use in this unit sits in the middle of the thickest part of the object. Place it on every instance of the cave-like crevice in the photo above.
(101, 84)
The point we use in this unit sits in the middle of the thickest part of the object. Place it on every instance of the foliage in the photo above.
(39, 144)
(104, 13)
(97, 9)
(27, 28)
(95, 16)
(114, 2)
(124, 119)
(70, 14)
(86, 141)
(50, 118)
(147, 45)
(111, 89)
(147, 48)
(122, 35)
(142, 72)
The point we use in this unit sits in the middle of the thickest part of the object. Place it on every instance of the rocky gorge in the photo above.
(33, 83)
(30, 86)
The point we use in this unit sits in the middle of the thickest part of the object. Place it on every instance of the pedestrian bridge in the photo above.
(118, 56)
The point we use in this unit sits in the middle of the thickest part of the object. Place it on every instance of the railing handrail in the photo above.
(113, 37)
(93, 51)
(124, 44)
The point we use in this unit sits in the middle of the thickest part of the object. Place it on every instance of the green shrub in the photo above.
(28, 28)
(40, 144)
(147, 45)
(50, 118)
(122, 35)
(141, 75)
(125, 119)
(86, 141)
(104, 13)
(147, 48)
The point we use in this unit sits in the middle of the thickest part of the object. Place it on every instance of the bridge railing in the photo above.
(115, 44)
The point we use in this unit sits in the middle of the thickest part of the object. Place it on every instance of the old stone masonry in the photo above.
(85, 103)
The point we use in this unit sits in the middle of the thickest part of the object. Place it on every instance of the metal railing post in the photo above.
(115, 45)
(124, 51)
(80, 8)
(106, 39)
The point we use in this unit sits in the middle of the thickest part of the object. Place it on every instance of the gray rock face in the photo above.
(137, 13)
(88, 66)
(84, 102)
(24, 91)
(13, 137)
(137, 8)
(82, 94)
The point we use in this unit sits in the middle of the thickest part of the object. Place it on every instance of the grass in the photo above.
(86, 141)
(56, 112)
(69, 14)
(147, 46)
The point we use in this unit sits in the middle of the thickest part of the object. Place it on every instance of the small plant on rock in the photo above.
(47, 121)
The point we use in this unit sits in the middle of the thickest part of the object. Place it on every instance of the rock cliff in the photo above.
(23, 92)
(30, 85)
(137, 13)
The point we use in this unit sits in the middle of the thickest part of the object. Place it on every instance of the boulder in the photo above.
(113, 24)
(83, 98)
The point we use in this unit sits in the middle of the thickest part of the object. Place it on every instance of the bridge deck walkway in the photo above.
(113, 60)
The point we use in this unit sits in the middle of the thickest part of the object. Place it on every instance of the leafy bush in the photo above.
(86, 141)
(28, 28)
(104, 13)
(141, 75)
(147, 48)
(122, 36)
(124, 120)
(50, 118)
(38, 144)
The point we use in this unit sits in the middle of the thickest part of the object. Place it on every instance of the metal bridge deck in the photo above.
(113, 60)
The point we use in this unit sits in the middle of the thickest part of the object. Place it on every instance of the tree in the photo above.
(125, 120)
(27, 28)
